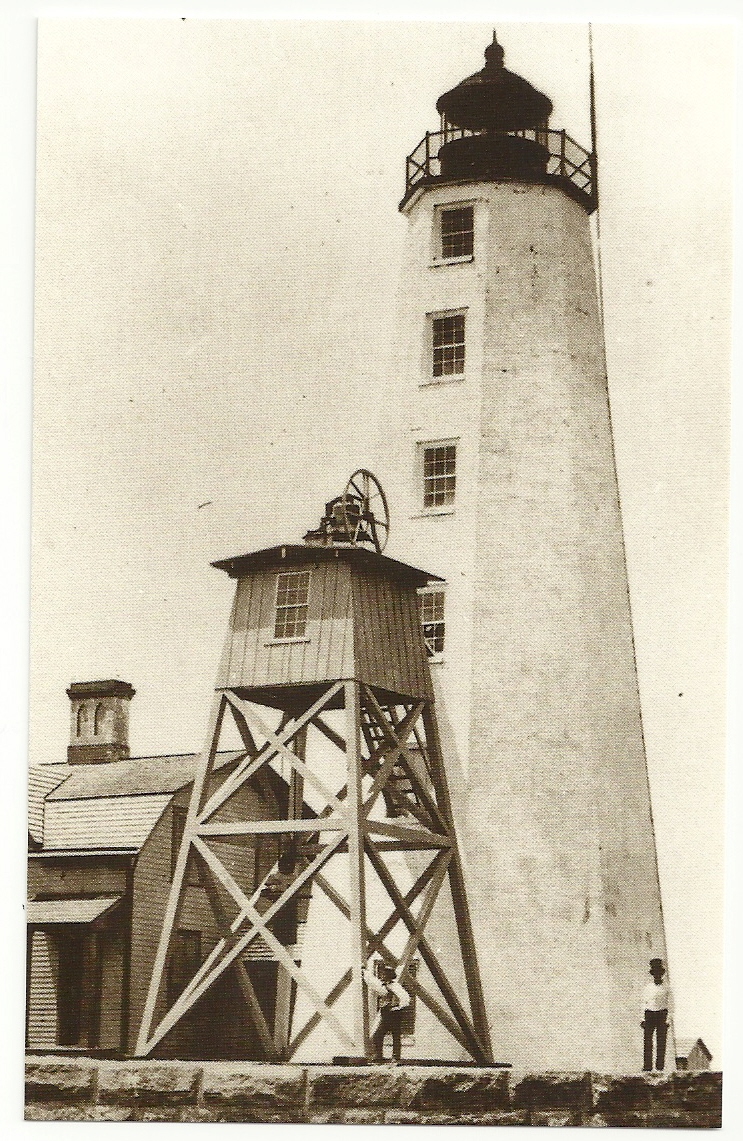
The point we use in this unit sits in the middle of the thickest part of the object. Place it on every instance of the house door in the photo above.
(70, 998)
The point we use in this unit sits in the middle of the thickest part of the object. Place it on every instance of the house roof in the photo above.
(133, 777)
(684, 1046)
(113, 806)
(71, 910)
(294, 554)
(41, 781)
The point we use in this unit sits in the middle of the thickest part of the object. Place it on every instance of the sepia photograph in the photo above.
(379, 571)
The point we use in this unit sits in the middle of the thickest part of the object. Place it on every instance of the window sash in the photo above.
(439, 475)
(432, 620)
(457, 232)
(448, 345)
(292, 604)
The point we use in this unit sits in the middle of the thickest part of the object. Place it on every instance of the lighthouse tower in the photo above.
(498, 442)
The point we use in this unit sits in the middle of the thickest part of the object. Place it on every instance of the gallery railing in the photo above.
(567, 162)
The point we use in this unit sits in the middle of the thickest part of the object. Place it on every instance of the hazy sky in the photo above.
(217, 255)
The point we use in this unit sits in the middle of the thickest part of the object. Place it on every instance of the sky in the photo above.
(217, 257)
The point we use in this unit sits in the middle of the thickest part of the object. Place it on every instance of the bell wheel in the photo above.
(366, 516)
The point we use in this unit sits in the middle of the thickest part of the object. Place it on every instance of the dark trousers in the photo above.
(390, 1022)
(655, 1024)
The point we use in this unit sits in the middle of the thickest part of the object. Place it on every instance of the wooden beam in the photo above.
(405, 758)
(335, 822)
(376, 943)
(243, 978)
(261, 924)
(458, 891)
(357, 887)
(269, 749)
(243, 729)
(427, 954)
(422, 791)
(222, 955)
(329, 732)
(172, 910)
(392, 751)
(280, 745)
(421, 919)
(416, 833)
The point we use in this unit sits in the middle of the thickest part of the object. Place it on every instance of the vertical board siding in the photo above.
(42, 1000)
(389, 646)
(253, 658)
(360, 623)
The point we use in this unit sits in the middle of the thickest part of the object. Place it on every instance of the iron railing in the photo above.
(567, 161)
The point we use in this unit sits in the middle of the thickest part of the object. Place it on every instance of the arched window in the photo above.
(82, 720)
(98, 717)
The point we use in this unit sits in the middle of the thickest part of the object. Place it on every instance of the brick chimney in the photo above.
(99, 721)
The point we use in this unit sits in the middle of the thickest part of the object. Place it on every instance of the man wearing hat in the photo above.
(656, 1001)
(392, 1000)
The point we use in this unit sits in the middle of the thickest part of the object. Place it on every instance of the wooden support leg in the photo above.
(176, 894)
(285, 983)
(356, 867)
(458, 892)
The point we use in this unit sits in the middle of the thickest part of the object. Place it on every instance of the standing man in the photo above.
(392, 999)
(657, 1001)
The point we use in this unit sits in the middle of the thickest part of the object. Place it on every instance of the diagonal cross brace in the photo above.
(430, 959)
(223, 955)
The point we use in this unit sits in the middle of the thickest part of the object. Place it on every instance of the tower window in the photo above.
(457, 232)
(292, 597)
(439, 475)
(431, 605)
(448, 345)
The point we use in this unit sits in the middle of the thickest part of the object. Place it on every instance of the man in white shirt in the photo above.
(657, 1001)
(392, 999)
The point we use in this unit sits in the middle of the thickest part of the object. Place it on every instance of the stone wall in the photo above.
(86, 1089)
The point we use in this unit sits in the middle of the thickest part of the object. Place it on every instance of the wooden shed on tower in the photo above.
(325, 677)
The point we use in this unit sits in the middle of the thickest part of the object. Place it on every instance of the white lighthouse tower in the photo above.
(497, 448)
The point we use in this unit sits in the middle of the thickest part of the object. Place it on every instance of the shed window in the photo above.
(448, 345)
(292, 595)
(432, 620)
(439, 475)
(98, 720)
(457, 232)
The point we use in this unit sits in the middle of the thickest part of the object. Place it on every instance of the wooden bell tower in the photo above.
(325, 676)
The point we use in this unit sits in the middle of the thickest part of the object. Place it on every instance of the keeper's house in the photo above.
(104, 834)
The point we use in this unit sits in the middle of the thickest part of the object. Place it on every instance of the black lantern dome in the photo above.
(494, 128)
(495, 99)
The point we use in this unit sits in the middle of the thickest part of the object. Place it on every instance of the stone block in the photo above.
(65, 1111)
(484, 1117)
(254, 1091)
(348, 1116)
(696, 1092)
(620, 1093)
(359, 1086)
(467, 1089)
(60, 1081)
(151, 1084)
(543, 1092)
(556, 1117)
